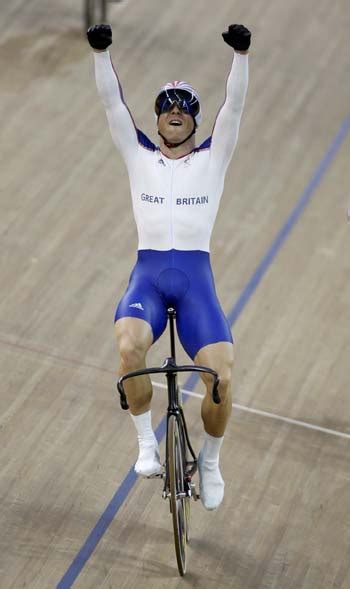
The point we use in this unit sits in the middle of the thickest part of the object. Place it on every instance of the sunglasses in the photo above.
(185, 101)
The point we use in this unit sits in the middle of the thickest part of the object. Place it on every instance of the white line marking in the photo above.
(324, 430)
(190, 393)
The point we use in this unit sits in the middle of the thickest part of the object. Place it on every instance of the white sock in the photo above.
(143, 424)
(148, 461)
(211, 448)
(211, 483)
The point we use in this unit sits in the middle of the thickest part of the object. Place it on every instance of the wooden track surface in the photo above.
(68, 243)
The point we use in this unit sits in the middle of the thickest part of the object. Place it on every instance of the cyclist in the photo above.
(176, 190)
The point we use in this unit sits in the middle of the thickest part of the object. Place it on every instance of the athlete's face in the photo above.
(175, 124)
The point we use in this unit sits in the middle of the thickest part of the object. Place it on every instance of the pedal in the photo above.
(194, 493)
(157, 475)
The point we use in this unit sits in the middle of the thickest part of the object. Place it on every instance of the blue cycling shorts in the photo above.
(182, 280)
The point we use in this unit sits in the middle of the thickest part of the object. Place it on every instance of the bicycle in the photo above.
(180, 459)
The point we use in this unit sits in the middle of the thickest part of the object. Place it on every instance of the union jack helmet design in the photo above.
(181, 93)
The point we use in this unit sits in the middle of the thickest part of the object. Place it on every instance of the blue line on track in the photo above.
(276, 245)
(129, 481)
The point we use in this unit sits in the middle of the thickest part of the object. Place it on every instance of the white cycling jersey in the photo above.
(175, 202)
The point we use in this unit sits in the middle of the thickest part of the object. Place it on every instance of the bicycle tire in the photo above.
(177, 485)
(95, 12)
(187, 500)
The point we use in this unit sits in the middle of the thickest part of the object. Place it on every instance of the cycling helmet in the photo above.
(181, 93)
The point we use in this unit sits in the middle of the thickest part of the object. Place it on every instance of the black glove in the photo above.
(99, 36)
(237, 37)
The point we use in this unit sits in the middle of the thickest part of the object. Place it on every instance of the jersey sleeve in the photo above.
(226, 127)
(120, 121)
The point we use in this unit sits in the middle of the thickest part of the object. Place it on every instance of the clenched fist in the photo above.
(238, 37)
(100, 36)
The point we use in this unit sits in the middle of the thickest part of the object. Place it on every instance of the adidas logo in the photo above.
(137, 306)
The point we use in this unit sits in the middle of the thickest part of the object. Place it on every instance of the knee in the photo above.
(132, 351)
(225, 376)
(224, 371)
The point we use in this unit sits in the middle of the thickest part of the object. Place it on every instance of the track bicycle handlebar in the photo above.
(169, 366)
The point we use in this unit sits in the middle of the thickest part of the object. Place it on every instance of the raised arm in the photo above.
(120, 121)
(226, 127)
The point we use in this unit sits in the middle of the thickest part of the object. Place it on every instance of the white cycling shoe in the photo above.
(148, 462)
(211, 483)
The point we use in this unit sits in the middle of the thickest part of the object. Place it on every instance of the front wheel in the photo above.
(178, 497)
